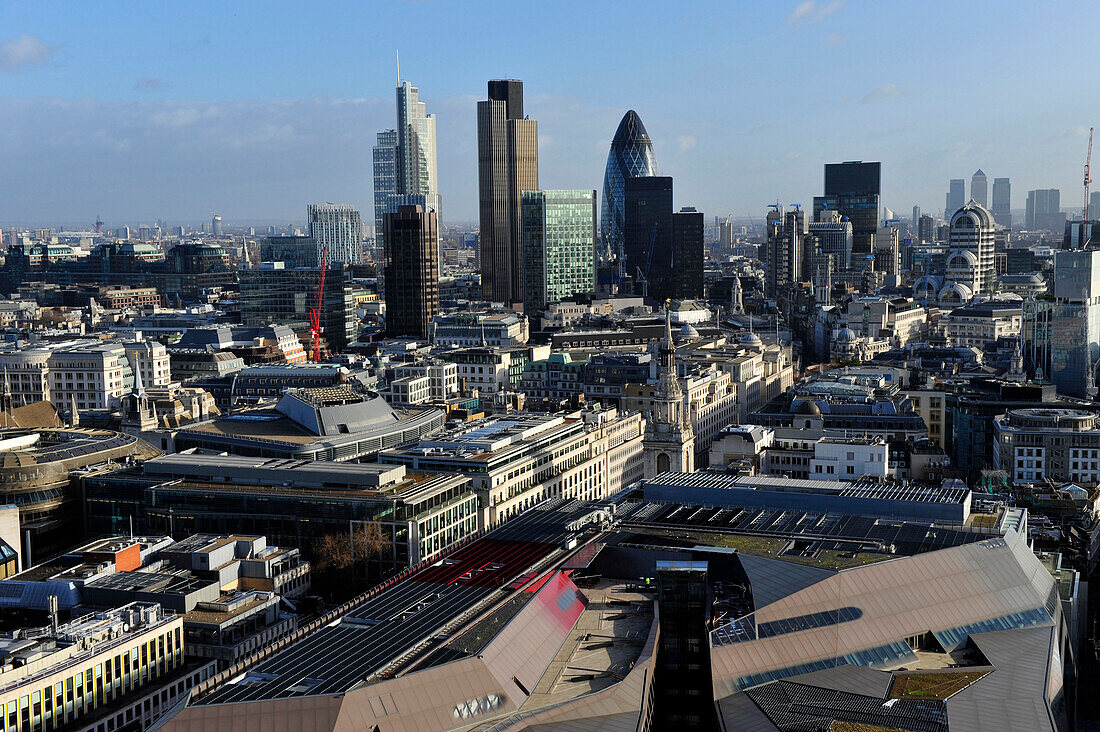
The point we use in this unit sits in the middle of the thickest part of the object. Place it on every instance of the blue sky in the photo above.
(136, 111)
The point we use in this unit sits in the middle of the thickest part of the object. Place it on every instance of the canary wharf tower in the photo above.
(631, 156)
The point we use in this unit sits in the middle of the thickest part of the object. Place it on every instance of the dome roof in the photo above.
(962, 258)
(688, 331)
(631, 130)
(751, 339)
(972, 215)
(846, 335)
(809, 407)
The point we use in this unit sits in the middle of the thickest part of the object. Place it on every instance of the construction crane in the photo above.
(644, 278)
(315, 311)
(1088, 178)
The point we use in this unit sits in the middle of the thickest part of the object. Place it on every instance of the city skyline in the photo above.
(198, 117)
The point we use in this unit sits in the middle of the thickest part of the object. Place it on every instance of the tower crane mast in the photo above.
(315, 311)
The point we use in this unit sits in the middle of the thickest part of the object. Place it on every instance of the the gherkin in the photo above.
(631, 156)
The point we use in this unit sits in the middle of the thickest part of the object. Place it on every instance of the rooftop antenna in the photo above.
(398, 53)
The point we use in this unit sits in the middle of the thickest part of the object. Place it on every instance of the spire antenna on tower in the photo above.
(398, 53)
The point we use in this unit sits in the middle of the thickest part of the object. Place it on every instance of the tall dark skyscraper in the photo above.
(647, 237)
(508, 165)
(979, 189)
(631, 156)
(412, 271)
(956, 197)
(854, 189)
(687, 254)
(1002, 201)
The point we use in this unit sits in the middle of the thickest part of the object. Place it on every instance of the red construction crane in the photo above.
(315, 311)
(1088, 179)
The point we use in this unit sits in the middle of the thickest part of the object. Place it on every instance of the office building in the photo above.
(559, 246)
(647, 238)
(786, 243)
(1080, 234)
(970, 259)
(508, 165)
(926, 229)
(956, 197)
(979, 189)
(831, 235)
(1044, 210)
(415, 153)
(1074, 322)
(487, 327)
(272, 295)
(337, 227)
(687, 254)
(631, 156)
(853, 189)
(385, 177)
(412, 271)
(916, 217)
(215, 225)
(292, 251)
(521, 460)
(1038, 444)
(1002, 202)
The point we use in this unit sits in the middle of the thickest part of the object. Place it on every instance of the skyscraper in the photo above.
(853, 188)
(338, 227)
(687, 254)
(385, 177)
(415, 158)
(926, 229)
(1044, 210)
(956, 197)
(1002, 202)
(647, 237)
(215, 225)
(412, 271)
(979, 189)
(508, 164)
(971, 249)
(1075, 322)
(786, 240)
(559, 246)
(631, 156)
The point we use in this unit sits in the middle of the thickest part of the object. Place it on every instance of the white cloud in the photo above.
(810, 11)
(18, 53)
(176, 118)
(884, 92)
(686, 142)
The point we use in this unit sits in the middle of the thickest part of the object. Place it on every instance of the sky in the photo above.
(150, 110)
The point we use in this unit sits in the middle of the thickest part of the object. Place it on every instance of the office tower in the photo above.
(970, 256)
(216, 225)
(631, 156)
(1002, 202)
(647, 235)
(338, 227)
(508, 165)
(853, 189)
(415, 157)
(385, 177)
(916, 217)
(292, 251)
(559, 246)
(1094, 205)
(687, 254)
(926, 229)
(273, 295)
(786, 235)
(1074, 324)
(412, 271)
(1044, 210)
(830, 235)
(979, 189)
(1079, 234)
(956, 197)
(887, 254)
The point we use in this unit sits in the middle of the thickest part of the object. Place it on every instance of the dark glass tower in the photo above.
(647, 235)
(853, 189)
(412, 271)
(631, 156)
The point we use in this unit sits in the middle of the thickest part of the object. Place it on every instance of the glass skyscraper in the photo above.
(631, 156)
(385, 180)
(559, 246)
(853, 189)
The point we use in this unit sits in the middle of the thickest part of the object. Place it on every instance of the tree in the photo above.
(340, 551)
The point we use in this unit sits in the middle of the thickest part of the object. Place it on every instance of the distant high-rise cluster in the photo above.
(956, 197)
